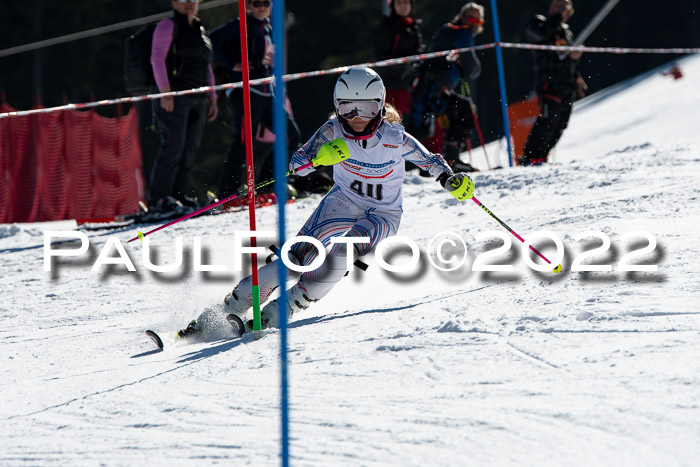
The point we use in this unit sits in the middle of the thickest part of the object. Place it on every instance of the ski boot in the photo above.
(236, 304)
(297, 300)
(191, 329)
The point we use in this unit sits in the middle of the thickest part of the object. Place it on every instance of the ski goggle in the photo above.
(366, 110)
(185, 1)
(258, 4)
(472, 20)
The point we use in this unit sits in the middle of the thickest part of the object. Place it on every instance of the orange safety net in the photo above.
(522, 116)
(68, 165)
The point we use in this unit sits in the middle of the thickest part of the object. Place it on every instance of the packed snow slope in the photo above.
(416, 368)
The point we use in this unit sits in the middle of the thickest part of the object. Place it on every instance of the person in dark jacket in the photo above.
(558, 81)
(181, 59)
(398, 35)
(447, 82)
(227, 53)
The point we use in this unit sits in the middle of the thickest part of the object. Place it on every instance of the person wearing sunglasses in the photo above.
(181, 59)
(366, 146)
(227, 53)
(444, 91)
(557, 81)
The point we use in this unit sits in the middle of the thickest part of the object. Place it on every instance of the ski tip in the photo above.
(557, 270)
(236, 323)
(156, 339)
(211, 196)
(143, 206)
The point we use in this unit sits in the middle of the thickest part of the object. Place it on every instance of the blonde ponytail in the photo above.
(392, 115)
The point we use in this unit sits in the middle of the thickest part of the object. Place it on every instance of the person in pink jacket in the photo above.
(181, 59)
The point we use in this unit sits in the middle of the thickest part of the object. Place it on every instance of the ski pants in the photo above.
(180, 136)
(335, 216)
(550, 125)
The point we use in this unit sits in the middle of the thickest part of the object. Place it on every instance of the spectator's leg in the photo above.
(546, 131)
(193, 138)
(561, 122)
(460, 128)
(171, 128)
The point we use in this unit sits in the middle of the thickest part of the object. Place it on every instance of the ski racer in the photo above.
(367, 147)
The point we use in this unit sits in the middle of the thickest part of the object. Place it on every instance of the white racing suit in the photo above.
(365, 202)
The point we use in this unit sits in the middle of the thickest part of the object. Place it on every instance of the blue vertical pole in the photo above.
(279, 120)
(501, 79)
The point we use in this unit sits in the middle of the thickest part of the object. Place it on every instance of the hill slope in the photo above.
(457, 368)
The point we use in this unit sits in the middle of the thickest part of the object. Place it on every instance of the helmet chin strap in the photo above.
(365, 134)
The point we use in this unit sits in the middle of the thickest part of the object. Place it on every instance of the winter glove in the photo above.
(458, 184)
(331, 153)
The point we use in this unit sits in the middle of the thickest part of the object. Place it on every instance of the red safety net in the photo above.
(68, 165)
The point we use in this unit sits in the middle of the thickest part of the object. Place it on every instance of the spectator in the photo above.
(557, 81)
(180, 44)
(227, 52)
(446, 89)
(398, 35)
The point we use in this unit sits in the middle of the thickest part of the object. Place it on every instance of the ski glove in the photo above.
(458, 184)
(331, 153)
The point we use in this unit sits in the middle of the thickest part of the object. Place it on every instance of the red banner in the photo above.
(67, 165)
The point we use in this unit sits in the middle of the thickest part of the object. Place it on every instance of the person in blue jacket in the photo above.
(227, 53)
(447, 81)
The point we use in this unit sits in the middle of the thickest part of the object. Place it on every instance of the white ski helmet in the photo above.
(359, 92)
(359, 84)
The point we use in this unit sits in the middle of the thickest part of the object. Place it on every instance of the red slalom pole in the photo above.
(250, 169)
(556, 270)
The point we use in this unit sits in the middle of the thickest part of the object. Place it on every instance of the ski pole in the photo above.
(556, 270)
(590, 27)
(140, 235)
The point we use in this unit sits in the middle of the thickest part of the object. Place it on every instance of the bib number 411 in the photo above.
(367, 189)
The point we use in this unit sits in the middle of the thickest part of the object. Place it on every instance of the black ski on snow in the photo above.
(156, 338)
(235, 322)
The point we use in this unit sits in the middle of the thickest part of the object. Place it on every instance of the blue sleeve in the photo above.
(225, 41)
(441, 40)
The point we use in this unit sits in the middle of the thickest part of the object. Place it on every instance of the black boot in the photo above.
(452, 157)
(192, 328)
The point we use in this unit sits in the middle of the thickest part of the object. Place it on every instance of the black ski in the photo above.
(156, 338)
(236, 323)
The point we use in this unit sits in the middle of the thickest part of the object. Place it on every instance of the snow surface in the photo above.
(419, 368)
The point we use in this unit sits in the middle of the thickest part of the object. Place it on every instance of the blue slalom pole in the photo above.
(501, 79)
(279, 120)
